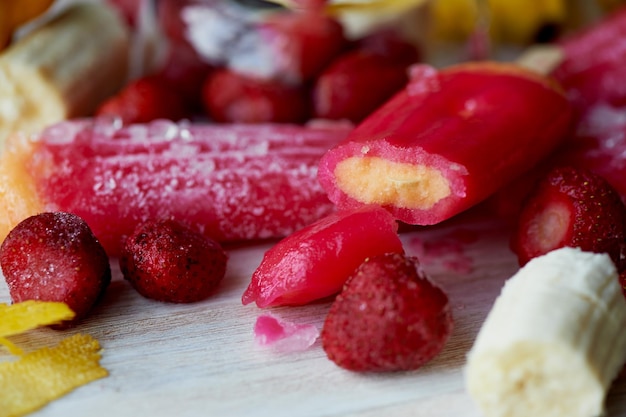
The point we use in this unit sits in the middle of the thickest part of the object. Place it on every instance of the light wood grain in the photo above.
(202, 360)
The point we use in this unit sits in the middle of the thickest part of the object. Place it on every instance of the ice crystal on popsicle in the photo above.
(229, 182)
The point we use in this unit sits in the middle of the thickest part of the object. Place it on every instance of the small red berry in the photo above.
(389, 317)
(55, 257)
(571, 207)
(145, 99)
(166, 261)
(355, 85)
(230, 97)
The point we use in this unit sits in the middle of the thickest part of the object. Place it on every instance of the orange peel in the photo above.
(20, 317)
(41, 376)
(36, 378)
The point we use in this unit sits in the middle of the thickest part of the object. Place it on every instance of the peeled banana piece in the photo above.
(62, 69)
(554, 340)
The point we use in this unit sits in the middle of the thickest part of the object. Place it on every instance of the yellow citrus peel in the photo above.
(36, 378)
(20, 317)
(46, 374)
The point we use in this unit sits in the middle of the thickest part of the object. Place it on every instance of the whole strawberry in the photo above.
(145, 99)
(230, 97)
(389, 317)
(571, 207)
(55, 257)
(166, 261)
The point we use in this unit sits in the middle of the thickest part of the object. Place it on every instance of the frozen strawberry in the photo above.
(185, 72)
(54, 256)
(291, 47)
(302, 44)
(390, 45)
(166, 261)
(235, 98)
(388, 317)
(570, 207)
(360, 80)
(592, 70)
(315, 262)
(143, 100)
(356, 84)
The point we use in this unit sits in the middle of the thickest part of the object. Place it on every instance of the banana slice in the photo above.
(62, 69)
(554, 340)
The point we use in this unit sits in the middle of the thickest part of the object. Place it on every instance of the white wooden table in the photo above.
(202, 360)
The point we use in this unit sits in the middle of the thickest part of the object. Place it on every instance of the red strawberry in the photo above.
(299, 45)
(390, 45)
(231, 97)
(184, 71)
(355, 85)
(55, 257)
(389, 317)
(570, 207)
(166, 261)
(359, 81)
(144, 100)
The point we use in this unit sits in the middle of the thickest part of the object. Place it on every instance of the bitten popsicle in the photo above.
(447, 141)
(229, 182)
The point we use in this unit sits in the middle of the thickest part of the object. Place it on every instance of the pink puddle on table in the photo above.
(282, 335)
(447, 251)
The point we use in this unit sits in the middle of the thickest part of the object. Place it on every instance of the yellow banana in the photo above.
(62, 69)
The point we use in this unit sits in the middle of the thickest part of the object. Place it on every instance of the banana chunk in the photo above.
(554, 340)
(63, 69)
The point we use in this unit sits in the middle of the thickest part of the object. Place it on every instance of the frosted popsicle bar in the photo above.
(230, 182)
(447, 141)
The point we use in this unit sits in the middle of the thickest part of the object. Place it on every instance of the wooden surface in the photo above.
(202, 359)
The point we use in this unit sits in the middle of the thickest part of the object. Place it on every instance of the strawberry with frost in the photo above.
(145, 99)
(166, 261)
(230, 97)
(389, 317)
(360, 80)
(571, 207)
(54, 256)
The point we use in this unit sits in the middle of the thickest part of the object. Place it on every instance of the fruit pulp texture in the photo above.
(447, 141)
(229, 183)
(316, 261)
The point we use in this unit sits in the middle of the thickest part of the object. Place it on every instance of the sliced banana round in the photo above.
(554, 340)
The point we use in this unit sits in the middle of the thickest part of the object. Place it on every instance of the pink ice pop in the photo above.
(447, 141)
(230, 182)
